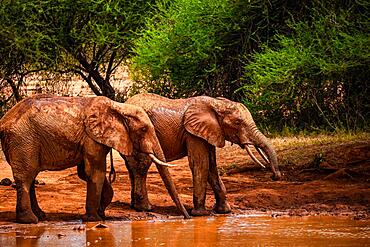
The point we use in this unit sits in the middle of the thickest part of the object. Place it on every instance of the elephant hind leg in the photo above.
(24, 213)
(34, 204)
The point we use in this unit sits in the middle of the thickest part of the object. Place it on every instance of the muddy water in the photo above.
(215, 231)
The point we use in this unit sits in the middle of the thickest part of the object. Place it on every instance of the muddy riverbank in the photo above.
(327, 175)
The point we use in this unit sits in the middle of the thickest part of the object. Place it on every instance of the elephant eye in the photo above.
(237, 122)
(143, 129)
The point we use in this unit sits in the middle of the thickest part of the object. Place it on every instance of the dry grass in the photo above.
(305, 150)
(295, 152)
(282, 143)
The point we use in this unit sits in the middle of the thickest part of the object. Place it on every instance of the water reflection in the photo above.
(215, 231)
(197, 232)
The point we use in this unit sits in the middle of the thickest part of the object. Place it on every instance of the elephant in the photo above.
(46, 132)
(194, 127)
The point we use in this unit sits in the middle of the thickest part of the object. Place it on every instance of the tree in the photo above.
(16, 58)
(198, 47)
(89, 38)
(273, 55)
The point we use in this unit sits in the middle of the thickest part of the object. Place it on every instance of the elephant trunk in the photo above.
(168, 182)
(263, 146)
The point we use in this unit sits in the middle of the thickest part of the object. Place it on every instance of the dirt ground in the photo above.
(326, 175)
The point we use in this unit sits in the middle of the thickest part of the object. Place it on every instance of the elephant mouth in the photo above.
(260, 151)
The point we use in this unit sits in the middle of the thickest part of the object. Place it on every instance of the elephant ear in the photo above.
(105, 123)
(201, 120)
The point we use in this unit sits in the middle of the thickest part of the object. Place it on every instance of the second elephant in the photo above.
(194, 127)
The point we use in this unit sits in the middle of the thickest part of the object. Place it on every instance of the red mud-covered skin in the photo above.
(194, 127)
(327, 177)
(54, 133)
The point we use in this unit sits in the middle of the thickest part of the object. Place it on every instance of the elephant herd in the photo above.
(46, 132)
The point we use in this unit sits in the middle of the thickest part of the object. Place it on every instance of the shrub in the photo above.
(180, 45)
(315, 77)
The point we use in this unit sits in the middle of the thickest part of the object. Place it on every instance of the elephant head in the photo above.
(128, 129)
(217, 120)
(123, 127)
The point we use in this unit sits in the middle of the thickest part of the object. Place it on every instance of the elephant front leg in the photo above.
(106, 197)
(221, 206)
(199, 164)
(95, 176)
(138, 170)
(107, 190)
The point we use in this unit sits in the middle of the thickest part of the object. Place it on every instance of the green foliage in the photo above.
(297, 64)
(180, 45)
(22, 41)
(316, 77)
(196, 47)
(89, 38)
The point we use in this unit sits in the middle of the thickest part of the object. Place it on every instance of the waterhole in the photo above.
(251, 230)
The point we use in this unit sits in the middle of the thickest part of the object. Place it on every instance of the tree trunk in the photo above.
(104, 85)
(15, 89)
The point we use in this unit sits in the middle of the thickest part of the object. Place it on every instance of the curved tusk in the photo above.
(260, 151)
(253, 157)
(159, 162)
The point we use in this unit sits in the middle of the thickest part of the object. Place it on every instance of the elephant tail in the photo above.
(112, 173)
(2, 128)
(1, 131)
(2, 142)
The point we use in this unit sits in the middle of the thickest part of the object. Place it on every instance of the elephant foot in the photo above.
(107, 195)
(91, 217)
(26, 218)
(40, 215)
(101, 213)
(141, 207)
(222, 208)
(200, 212)
(276, 177)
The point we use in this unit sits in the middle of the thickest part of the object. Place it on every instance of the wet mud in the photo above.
(326, 178)
(252, 230)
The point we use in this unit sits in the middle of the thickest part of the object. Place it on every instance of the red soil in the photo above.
(329, 177)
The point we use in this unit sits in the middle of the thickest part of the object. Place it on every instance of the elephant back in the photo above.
(15, 114)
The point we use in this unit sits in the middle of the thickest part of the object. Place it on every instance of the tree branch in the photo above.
(14, 87)
(109, 70)
(95, 90)
(106, 88)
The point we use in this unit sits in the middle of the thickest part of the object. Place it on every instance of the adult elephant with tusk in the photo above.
(53, 133)
(194, 127)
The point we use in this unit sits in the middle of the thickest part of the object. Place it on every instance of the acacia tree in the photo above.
(16, 57)
(89, 38)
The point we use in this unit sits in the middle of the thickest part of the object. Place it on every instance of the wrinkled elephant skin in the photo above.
(194, 127)
(46, 132)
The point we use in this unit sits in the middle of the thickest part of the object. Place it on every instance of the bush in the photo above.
(180, 46)
(316, 77)
(197, 47)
